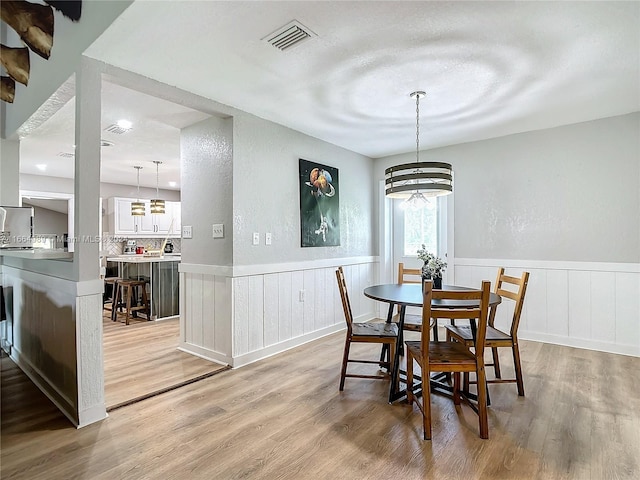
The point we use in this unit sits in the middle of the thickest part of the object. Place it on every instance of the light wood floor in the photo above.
(284, 418)
(141, 359)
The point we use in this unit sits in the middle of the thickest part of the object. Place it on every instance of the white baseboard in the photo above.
(587, 344)
(205, 353)
(271, 350)
(92, 415)
(59, 399)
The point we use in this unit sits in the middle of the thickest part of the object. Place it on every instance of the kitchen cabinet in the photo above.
(121, 222)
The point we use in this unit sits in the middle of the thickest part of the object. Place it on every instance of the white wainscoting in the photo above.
(57, 341)
(580, 304)
(206, 313)
(256, 311)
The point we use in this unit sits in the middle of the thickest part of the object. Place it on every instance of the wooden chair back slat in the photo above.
(520, 286)
(346, 305)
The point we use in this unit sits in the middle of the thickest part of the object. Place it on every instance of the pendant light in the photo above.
(137, 207)
(157, 205)
(416, 181)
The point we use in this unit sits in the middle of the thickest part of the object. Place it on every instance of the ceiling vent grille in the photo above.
(66, 155)
(292, 34)
(117, 129)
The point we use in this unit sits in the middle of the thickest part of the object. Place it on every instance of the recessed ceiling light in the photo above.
(126, 124)
(173, 184)
(41, 166)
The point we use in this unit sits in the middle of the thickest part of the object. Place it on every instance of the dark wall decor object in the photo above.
(34, 23)
(319, 205)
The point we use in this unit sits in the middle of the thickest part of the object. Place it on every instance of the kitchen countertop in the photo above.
(167, 257)
(37, 254)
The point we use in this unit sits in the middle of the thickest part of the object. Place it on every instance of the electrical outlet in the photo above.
(256, 238)
(301, 296)
(267, 238)
(218, 230)
(186, 231)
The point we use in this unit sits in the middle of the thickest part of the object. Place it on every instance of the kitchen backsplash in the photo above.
(115, 246)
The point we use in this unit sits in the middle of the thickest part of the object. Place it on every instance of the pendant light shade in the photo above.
(157, 205)
(137, 207)
(416, 181)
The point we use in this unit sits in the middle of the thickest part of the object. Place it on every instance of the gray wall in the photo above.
(569, 193)
(265, 182)
(206, 173)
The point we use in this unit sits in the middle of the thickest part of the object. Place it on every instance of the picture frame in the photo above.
(319, 205)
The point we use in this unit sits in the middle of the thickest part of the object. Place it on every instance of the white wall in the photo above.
(564, 204)
(47, 221)
(44, 183)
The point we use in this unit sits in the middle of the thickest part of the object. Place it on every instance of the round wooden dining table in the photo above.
(410, 295)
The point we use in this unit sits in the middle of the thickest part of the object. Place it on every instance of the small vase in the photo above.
(437, 282)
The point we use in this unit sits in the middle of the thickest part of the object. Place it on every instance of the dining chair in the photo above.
(450, 357)
(364, 332)
(497, 338)
(409, 275)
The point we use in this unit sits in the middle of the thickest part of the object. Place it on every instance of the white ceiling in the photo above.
(489, 68)
(155, 135)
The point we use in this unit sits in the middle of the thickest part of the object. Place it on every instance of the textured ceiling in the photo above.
(489, 68)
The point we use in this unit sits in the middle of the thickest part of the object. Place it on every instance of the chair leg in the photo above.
(114, 302)
(456, 388)
(482, 404)
(426, 406)
(465, 386)
(129, 295)
(392, 358)
(384, 351)
(410, 396)
(345, 359)
(496, 361)
(518, 367)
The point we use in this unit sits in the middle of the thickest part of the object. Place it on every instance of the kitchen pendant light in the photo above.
(416, 181)
(137, 207)
(157, 205)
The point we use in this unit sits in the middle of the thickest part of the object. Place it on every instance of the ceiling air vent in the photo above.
(117, 129)
(292, 34)
(66, 155)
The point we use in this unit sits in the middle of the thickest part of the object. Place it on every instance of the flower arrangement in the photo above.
(433, 266)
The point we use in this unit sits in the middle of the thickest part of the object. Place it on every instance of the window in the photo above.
(421, 226)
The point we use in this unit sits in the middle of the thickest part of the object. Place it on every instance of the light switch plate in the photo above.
(256, 238)
(267, 238)
(218, 230)
(186, 231)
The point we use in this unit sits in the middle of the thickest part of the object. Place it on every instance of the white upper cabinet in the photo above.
(121, 222)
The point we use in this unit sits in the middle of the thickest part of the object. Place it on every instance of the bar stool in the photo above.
(109, 293)
(127, 296)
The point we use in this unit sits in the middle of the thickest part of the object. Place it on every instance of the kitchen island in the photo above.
(161, 274)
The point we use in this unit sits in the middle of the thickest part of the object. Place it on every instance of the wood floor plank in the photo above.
(284, 418)
(142, 358)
